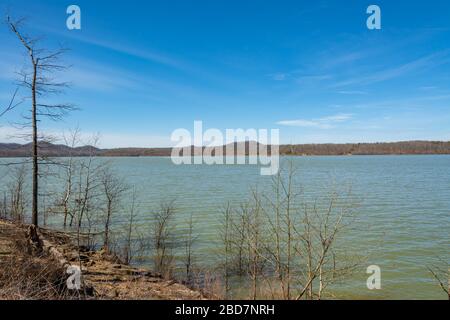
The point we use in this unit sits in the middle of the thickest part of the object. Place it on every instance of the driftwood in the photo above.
(50, 249)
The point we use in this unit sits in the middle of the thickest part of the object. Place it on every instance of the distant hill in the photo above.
(47, 149)
(405, 147)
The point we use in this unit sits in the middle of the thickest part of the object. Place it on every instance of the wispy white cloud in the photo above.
(320, 123)
(314, 77)
(279, 76)
(353, 92)
(336, 118)
(98, 78)
(421, 102)
(147, 54)
(299, 76)
(421, 64)
(303, 123)
(95, 76)
(345, 58)
(428, 88)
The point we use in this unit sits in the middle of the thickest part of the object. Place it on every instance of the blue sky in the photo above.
(141, 69)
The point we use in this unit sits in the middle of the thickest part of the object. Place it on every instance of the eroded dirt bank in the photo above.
(104, 277)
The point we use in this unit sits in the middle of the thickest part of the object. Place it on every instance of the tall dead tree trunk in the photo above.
(42, 63)
(34, 62)
(34, 214)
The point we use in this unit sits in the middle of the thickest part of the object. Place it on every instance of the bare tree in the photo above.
(113, 189)
(15, 202)
(244, 243)
(254, 240)
(38, 80)
(279, 208)
(288, 243)
(86, 191)
(239, 234)
(163, 238)
(128, 252)
(317, 235)
(189, 240)
(227, 242)
(83, 203)
(70, 141)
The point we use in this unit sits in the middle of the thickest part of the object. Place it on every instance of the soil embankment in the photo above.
(102, 275)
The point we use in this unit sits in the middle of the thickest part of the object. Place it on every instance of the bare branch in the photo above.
(12, 103)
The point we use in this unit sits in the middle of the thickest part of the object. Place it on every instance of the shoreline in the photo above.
(281, 155)
(103, 276)
(249, 148)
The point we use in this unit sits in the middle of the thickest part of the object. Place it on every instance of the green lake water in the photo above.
(403, 209)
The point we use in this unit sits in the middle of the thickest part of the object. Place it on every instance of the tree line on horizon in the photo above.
(379, 148)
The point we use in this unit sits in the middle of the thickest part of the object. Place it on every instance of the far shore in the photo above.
(13, 150)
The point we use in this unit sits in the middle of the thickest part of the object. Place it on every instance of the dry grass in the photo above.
(26, 277)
